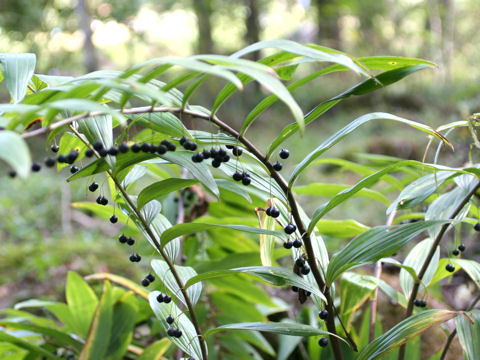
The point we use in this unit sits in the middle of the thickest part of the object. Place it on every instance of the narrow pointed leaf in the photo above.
(321, 189)
(161, 188)
(27, 345)
(341, 228)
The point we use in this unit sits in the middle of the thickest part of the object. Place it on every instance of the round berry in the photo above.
(178, 333)
(146, 147)
(288, 244)
(237, 176)
(450, 267)
(290, 229)
(99, 200)
(237, 151)
(305, 270)
(226, 158)
(284, 154)
(230, 147)
(102, 152)
(113, 219)
(93, 187)
(213, 152)
(160, 149)
(297, 243)
(49, 162)
(72, 156)
(323, 314)
(135, 258)
(130, 241)
(54, 148)
(294, 289)
(477, 226)
(170, 146)
(123, 148)
(461, 247)
(206, 154)
(62, 159)
(455, 252)
(268, 211)
(417, 302)
(74, 169)
(221, 153)
(216, 163)
(275, 213)
(190, 145)
(150, 277)
(136, 148)
(323, 341)
(36, 167)
(277, 166)
(246, 180)
(171, 331)
(160, 298)
(423, 303)
(89, 153)
(12, 173)
(300, 262)
(113, 151)
(169, 319)
(145, 282)
(183, 140)
(122, 238)
(97, 145)
(167, 299)
(197, 157)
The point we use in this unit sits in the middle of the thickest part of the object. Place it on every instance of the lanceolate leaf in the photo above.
(374, 244)
(161, 188)
(274, 275)
(27, 345)
(285, 328)
(347, 130)
(17, 70)
(471, 267)
(469, 334)
(14, 151)
(188, 228)
(341, 228)
(321, 189)
(267, 242)
(403, 332)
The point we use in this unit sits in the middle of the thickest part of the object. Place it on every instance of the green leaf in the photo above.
(165, 123)
(274, 275)
(188, 342)
(374, 244)
(10, 351)
(355, 289)
(471, 267)
(17, 70)
(469, 334)
(14, 151)
(82, 303)
(267, 242)
(347, 130)
(321, 189)
(27, 345)
(188, 228)
(86, 105)
(162, 188)
(403, 332)
(341, 228)
(185, 273)
(98, 339)
(285, 328)
(155, 350)
(104, 212)
(415, 259)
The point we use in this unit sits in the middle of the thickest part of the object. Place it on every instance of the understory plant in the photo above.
(234, 267)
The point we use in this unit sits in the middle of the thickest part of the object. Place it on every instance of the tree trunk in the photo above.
(203, 10)
(252, 35)
(90, 57)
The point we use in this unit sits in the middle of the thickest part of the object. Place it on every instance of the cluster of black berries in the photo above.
(295, 243)
(243, 177)
(218, 156)
(171, 330)
(187, 144)
(135, 258)
(102, 200)
(419, 303)
(164, 298)
(296, 289)
(301, 263)
(126, 240)
(148, 279)
(272, 211)
(284, 154)
(457, 251)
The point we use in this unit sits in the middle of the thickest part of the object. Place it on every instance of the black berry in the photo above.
(130, 241)
(297, 243)
(122, 238)
(290, 229)
(477, 227)
(113, 219)
(461, 247)
(197, 157)
(36, 167)
(183, 140)
(145, 282)
(190, 145)
(237, 151)
(284, 154)
(323, 314)
(300, 262)
(12, 173)
(305, 270)
(323, 341)
(161, 149)
(288, 244)
(237, 176)
(113, 151)
(268, 211)
(167, 299)
(134, 258)
(89, 153)
(274, 212)
(136, 148)
(123, 148)
(246, 180)
(54, 148)
(294, 289)
(103, 152)
(277, 166)
(226, 158)
(97, 145)
(450, 268)
(171, 332)
(231, 147)
(216, 163)
(221, 153)
(72, 156)
(146, 147)
(206, 154)
(169, 145)
(62, 159)
(92, 187)
(169, 319)
(160, 298)
(73, 169)
(150, 277)
(49, 162)
(213, 152)
(178, 333)
(455, 252)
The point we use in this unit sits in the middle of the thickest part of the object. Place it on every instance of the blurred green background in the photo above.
(41, 236)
